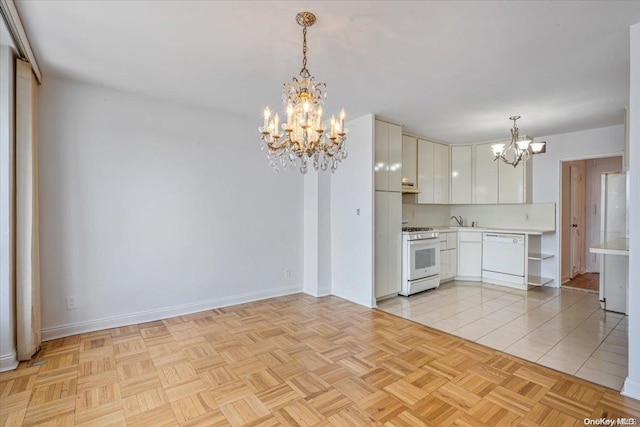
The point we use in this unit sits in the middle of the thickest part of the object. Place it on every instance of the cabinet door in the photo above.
(470, 259)
(381, 165)
(460, 174)
(486, 175)
(425, 171)
(410, 160)
(395, 158)
(394, 254)
(452, 240)
(510, 183)
(453, 262)
(440, 174)
(381, 243)
(444, 265)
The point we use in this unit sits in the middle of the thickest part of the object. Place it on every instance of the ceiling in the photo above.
(451, 71)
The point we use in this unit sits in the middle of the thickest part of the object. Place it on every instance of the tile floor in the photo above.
(560, 328)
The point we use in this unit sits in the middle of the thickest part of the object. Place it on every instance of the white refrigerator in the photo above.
(614, 269)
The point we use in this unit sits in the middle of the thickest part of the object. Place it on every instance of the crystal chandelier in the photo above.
(519, 149)
(303, 138)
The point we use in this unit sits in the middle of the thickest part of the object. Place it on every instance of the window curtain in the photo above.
(27, 240)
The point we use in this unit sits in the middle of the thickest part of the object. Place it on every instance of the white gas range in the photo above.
(420, 260)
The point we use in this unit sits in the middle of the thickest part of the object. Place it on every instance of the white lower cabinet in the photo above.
(470, 255)
(388, 243)
(448, 256)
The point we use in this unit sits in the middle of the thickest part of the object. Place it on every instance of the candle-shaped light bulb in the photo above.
(333, 126)
(305, 108)
(267, 114)
(289, 116)
(342, 115)
(276, 120)
(319, 120)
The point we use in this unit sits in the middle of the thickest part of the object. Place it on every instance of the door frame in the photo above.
(577, 217)
(559, 206)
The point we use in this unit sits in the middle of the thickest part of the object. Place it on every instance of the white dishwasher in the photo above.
(503, 258)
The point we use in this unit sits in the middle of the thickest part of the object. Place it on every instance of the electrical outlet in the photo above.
(526, 216)
(358, 211)
(72, 303)
(287, 273)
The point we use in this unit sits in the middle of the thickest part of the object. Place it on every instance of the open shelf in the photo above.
(539, 256)
(538, 280)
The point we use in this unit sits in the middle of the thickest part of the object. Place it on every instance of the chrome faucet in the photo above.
(458, 219)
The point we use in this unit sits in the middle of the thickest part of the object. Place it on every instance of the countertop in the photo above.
(612, 247)
(444, 229)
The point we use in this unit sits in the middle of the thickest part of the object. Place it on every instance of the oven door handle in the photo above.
(424, 242)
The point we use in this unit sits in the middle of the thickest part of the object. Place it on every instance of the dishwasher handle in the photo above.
(504, 238)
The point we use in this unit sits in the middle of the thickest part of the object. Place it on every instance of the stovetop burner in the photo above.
(412, 229)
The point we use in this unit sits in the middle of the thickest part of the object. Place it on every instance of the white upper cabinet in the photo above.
(486, 175)
(499, 182)
(425, 171)
(461, 176)
(512, 183)
(410, 161)
(440, 174)
(433, 172)
(388, 156)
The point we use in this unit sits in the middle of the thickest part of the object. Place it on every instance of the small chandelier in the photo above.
(519, 149)
(303, 137)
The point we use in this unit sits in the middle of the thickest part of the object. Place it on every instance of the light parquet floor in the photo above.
(293, 360)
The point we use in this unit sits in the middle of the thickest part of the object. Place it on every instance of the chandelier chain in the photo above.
(304, 72)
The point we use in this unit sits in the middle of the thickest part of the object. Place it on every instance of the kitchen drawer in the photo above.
(470, 236)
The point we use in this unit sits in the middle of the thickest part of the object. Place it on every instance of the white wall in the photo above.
(317, 233)
(595, 168)
(324, 233)
(601, 142)
(150, 209)
(7, 153)
(632, 384)
(352, 234)
(310, 233)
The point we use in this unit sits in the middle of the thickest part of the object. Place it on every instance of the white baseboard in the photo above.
(8, 361)
(54, 332)
(469, 278)
(317, 291)
(353, 297)
(320, 292)
(631, 388)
